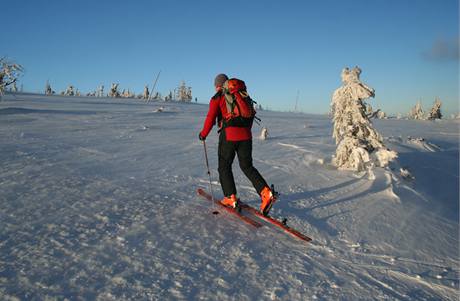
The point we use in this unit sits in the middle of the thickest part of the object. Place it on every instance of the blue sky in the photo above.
(407, 49)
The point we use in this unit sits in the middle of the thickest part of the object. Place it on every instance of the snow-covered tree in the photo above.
(183, 93)
(48, 90)
(69, 91)
(157, 96)
(417, 112)
(100, 91)
(114, 91)
(127, 94)
(435, 112)
(146, 93)
(169, 97)
(359, 145)
(9, 74)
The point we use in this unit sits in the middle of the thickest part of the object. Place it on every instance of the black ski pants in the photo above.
(226, 153)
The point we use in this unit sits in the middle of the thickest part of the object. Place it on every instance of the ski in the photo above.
(201, 192)
(275, 222)
(281, 224)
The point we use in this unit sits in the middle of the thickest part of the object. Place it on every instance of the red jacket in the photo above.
(217, 109)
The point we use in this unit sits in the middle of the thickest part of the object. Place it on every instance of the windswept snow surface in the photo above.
(97, 202)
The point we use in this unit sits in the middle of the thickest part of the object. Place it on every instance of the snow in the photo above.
(97, 202)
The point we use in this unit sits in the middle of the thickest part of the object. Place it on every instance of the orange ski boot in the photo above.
(230, 201)
(267, 200)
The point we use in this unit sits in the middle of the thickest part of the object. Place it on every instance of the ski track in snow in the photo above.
(98, 202)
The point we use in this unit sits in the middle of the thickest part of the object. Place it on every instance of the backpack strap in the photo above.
(229, 102)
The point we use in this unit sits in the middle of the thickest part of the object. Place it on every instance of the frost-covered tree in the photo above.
(417, 112)
(359, 145)
(146, 93)
(169, 97)
(69, 91)
(183, 93)
(9, 74)
(100, 91)
(114, 91)
(157, 96)
(127, 94)
(435, 112)
(48, 90)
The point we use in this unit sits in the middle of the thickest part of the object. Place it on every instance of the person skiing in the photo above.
(233, 140)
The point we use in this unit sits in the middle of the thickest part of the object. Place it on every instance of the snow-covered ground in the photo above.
(97, 202)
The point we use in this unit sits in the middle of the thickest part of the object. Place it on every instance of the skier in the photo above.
(233, 140)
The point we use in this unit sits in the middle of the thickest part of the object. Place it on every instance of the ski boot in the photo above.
(268, 196)
(230, 201)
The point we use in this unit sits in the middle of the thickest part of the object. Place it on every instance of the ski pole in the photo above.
(209, 172)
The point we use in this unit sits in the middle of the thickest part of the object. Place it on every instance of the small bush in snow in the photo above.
(263, 134)
(359, 145)
(405, 174)
(381, 114)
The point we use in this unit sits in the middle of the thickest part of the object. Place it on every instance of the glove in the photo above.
(201, 137)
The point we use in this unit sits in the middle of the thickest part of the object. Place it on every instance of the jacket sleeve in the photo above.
(210, 120)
